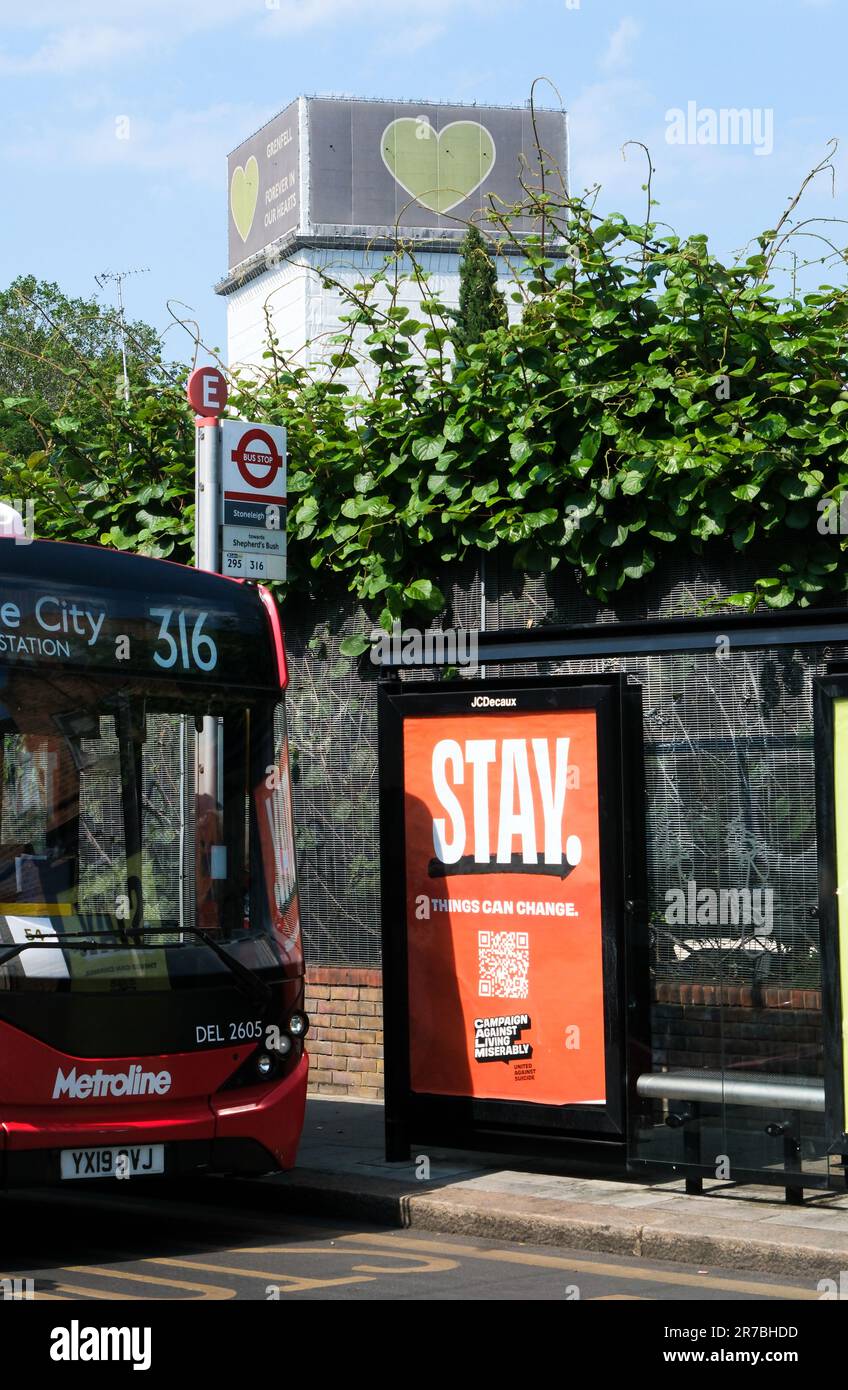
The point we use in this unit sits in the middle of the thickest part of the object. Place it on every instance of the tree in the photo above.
(44, 335)
(53, 349)
(96, 468)
(481, 304)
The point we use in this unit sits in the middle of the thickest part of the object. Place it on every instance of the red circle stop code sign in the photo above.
(206, 389)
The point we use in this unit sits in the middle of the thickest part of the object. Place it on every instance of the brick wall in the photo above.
(345, 1042)
(776, 1030)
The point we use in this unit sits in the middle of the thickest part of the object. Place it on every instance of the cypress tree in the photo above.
(481, 303)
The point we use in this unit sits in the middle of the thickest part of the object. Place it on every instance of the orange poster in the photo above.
(504, 906)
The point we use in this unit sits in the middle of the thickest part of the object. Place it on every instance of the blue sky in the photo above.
(194, 77)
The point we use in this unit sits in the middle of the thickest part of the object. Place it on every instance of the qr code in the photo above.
(504, 960)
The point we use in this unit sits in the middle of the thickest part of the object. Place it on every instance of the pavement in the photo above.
(342, 1172)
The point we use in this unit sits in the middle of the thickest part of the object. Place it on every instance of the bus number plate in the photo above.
(134, 1160)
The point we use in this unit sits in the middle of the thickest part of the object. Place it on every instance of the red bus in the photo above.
(151, 967)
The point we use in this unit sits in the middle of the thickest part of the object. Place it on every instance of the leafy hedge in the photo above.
(648, 397)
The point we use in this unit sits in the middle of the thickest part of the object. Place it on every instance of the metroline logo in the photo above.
(134, 1082)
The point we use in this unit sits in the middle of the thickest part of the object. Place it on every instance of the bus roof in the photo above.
(84, 608)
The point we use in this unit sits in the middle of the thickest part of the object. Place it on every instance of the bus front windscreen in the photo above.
(141, 814)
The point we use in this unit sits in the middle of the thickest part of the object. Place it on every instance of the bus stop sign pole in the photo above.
(207, 393)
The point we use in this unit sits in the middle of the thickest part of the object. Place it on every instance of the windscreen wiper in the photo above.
(70, 943)
(247, 980)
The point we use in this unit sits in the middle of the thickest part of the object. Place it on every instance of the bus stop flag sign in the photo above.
(253, 472)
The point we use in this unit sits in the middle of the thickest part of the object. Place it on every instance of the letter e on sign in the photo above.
(207, 391)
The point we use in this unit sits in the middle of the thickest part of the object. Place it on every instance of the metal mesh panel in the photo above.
(730, 810)
(730, 802)
(728, 757)
(332, 710)
(688, 585)
(333, 742)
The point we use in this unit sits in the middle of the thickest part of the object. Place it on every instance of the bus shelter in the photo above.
(611, 919)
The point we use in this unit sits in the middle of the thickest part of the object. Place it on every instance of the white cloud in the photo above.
(52, 37)
(74, 49)
(187, 144)
(601, 118)
(159, 15)
(167, 22)
(619, 49)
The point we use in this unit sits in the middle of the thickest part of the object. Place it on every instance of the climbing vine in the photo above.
(646, 396)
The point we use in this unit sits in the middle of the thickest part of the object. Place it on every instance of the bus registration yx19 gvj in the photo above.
(135, 1161)
(151, 968)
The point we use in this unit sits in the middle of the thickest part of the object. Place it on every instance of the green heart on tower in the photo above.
(439, 168)
(244, 192)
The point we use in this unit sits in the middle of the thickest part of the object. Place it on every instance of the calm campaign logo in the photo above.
(518, 804)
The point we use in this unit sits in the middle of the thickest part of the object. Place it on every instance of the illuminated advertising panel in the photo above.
(509, 869)
(504, 906)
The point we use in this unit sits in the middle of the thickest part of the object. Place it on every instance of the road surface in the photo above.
(216, 1240)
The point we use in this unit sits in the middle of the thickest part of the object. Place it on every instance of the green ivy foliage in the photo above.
(650, 397)
(647, 397)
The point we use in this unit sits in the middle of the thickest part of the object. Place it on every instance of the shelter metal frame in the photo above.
(827, 627)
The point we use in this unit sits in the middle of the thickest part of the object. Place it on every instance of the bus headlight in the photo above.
(264, 1065)
(298, 1024)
